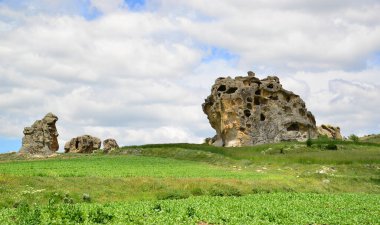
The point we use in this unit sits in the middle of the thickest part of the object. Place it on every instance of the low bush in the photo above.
(353, 138)
(224, 190)
(331, 146)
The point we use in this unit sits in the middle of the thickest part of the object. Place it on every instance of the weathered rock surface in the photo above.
(109, 145)
(83, 144)
(247, 111)
(41, 137)
(330, 131)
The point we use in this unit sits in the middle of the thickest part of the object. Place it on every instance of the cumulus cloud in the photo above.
(288, 35)
(141, 76)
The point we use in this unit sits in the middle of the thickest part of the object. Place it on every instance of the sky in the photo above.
(139, 70)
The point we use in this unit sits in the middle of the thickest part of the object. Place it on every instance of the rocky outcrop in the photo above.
(83, 144)
(109, 145)
(330, 131)
(247, 111)
(41, 137)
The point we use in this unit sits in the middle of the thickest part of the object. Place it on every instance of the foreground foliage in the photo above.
(173, 171)
(276, 208)
(320, 182)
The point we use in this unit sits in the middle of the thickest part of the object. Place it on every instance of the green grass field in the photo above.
(285, 183)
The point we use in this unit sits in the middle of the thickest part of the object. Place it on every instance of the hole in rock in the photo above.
(274, 97)
(249, 99)
(248, 125)
(222, 88)
(242, 129)
(270, 86)
(302, 112)
(287, 109)
(288, 98)
(258, 92)
(249, 105)
(262, 117)
(257, 82)
(247, 113)
(231, 90)
(293, 127)
(219, 94)
(76, 144)
(257, 101)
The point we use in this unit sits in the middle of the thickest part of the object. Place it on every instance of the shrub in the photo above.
(28, 214)
(98, 215)
(173, 194)
(309, 142)
(353, 138)
(331, 146)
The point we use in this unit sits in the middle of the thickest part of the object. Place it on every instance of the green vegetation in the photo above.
(276, 208)
(373, 138)
(188, 183)
(353, 138)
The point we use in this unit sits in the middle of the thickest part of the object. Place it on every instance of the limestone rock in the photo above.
(109, 145)
(41, 137)
(83, 144)
(330, 131)
(246, 111)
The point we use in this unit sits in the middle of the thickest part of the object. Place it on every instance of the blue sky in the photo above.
(138, 71)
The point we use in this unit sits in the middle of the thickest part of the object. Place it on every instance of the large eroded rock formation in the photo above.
(247, 111)
(83, 144)
(109, 145)
(41, 137)
(330, 131)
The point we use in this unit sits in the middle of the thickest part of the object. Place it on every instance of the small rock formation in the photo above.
(41, 137)
(246, 111)
(83, 144)
(109, 145)
(330, 131)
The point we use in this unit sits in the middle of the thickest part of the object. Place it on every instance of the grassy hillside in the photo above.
(373, 138)
(136, 175)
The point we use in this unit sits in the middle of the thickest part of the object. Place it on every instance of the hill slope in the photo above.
(176, 171)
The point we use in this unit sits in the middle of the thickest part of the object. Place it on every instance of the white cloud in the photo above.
(293, 37)
(142, 76)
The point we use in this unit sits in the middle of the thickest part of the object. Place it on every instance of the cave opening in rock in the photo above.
(247, 113)
(262, 117)
(249, 105)
(248, 125)
(274, 97)
(222, 88)
(293, 127)
(258, 92)
(249, 99)
(270, 86)
(242, 129)
(257, 101)
(231, 90)
(77, 144)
